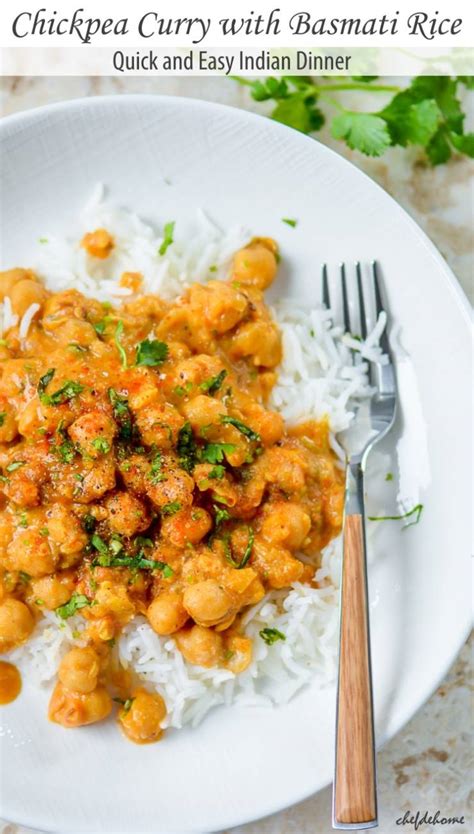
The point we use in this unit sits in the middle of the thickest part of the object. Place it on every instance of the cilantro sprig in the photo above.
(427, 113)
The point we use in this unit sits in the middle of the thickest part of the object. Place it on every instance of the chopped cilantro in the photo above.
(416, 511)
(151, 353)
(76, 602)
(217, 472)
(155, 474)
(44, 532)
(213, 384)
(171, 508)
(118, 342)
(24, 577)
(23, 520)
(214, 452)
(187, 448)
(67, 392)
(121, 414)
(183, 390)
(289, 222)
(168, 233)
(89, 523)
(248, 549)
(221, 515)
(66, 451)
(126, 704)
(245, 430)
(99, 545)
(213, 268)
(101, 444)
(3, 414)
(389, 476)
(45, 380)
(15, 465)
(271, 635)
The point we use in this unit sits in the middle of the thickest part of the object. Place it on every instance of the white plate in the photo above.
(163, 157)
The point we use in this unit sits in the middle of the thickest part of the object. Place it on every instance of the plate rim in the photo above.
(31, 115)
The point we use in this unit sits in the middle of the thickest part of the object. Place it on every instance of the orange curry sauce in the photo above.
(142, 473)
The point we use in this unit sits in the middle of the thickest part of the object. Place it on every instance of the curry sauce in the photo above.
(141, 472)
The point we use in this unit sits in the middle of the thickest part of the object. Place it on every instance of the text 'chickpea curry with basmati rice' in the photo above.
(141, 473)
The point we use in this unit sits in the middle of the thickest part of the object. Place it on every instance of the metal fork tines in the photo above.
(354, 793)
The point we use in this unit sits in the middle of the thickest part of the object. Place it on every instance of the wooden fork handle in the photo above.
(355, 800)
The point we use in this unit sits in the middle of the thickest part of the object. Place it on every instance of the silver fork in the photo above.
(355, 791)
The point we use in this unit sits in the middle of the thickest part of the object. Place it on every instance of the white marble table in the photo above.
(427, 766)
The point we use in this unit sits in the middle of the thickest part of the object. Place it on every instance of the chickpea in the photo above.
(238, 654)
(143, 388)
(98, 244)
(126, 514)
(54, 590)
(10, 277)
(8, 422)
(177, 486)
(167, 614)
(276, 564)
(79, 670)
(196, 369)
(200, 646)
(188, 525)
(16, 624)
(259, 340)
(202, 411)
(97, 481)
(141, 721)
(94, 433)
(73, 709)
(65, 530)
(31, 552)
(256, 264)
(27, 292)
(221, 305)
(286, 523)
(208, 603)
(159, 424)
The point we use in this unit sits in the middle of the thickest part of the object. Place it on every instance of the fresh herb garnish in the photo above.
(126, 704)
(214, 452)
(248, 549)
(23, 520)
(389, 476)
(3, 415)
(221, 515)
(67, 392)
(45, 380)
(245, 430)
(290, 222)
(76, 602)
(15, 465)
(247, 552)
(24, 577)
(183, 390)
(217, 472)
(121, 414)
(213, 384)
(271, 635)
(66, 451)
(118, 341)
(155, 474)
(427, 113)
(415, 511)
(168, 232)
(187, 448)
(101, 444)
(151, 353)
(89, 523)
(171, 508)
(100, 545)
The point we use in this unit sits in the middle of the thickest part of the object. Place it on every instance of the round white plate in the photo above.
(164, 157)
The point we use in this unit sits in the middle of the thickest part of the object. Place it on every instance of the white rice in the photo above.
(316, 379)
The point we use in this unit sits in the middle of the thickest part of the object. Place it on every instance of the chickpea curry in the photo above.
(141, 473)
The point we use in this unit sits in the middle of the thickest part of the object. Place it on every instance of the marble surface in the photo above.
(429, 765)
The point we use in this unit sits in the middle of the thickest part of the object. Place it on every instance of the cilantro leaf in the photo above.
(67, 392)
(214, 452)
(15, 465)
(242, 428)
(217, 473)
(363, 132)
(299, 112)
(289, 222)
(168, 238)
(122, 414)
(76, 602)
(3, 415)
(213, 384)
(271, 635)
(118, 341)
(415, 511)
(221, 515)
(438, 149)
(171, 508)
(151, 353)
(66, 451)
(187, 448)
(45, 380)
(463, 143)
(101, 445)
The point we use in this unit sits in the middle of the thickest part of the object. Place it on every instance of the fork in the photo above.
(354, 790)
